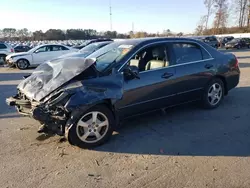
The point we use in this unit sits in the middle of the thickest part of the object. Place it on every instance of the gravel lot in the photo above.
(185, 147)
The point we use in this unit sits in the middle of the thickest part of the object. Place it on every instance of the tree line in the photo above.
(229, 16)
(8, 34)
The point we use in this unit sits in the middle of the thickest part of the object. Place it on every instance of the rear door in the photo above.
(155, 88)
(194, 68)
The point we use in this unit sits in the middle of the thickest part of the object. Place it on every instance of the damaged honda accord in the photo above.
(86, 99)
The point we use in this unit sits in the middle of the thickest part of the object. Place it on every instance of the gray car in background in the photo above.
(84, 52)
(210, 40)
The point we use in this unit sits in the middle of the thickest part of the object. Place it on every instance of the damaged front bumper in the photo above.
(52, 114)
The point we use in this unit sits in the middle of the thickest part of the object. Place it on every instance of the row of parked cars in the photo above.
(86, 99)
(41, 53)
(228, 42)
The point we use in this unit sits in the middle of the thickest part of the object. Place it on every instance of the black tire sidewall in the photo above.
(206, 103)
(72, 136)
(19, 66)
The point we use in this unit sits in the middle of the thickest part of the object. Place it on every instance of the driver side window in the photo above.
(150, 58)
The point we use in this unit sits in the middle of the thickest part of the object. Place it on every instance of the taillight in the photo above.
(237, 63)
(12, 50)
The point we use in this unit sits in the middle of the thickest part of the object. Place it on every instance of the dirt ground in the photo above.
(185, 147)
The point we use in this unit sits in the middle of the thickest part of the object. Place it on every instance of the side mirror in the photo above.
(131, 72)
(36, 52)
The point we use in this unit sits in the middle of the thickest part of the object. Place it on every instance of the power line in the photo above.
(110, 14)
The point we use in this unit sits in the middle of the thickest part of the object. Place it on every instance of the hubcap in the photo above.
(22, 64)
(92, 127)
(215, 94)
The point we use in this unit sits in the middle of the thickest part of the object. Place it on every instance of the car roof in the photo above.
(154, 39)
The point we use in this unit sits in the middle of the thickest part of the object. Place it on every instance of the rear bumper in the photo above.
(233, 80)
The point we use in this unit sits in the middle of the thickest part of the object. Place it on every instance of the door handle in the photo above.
(208, 66)
(167, 75)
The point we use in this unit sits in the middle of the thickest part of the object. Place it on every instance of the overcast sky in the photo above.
(147, 15)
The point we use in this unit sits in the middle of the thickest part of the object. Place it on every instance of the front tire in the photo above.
(22, 64)
(213, 94)
(92, 128)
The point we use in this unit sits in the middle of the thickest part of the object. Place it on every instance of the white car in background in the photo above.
(37, 55)
(5, 50)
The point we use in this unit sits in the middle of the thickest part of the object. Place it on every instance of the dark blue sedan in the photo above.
(84, 99)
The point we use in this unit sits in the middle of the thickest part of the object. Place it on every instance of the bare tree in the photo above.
(200, 26)
(221, 15)
(248, 14)
(209, 5)
(241, 9)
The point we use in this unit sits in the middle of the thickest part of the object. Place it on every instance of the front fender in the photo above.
(95, 90)
(27, 57)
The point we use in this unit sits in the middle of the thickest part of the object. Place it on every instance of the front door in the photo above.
(41, 55)
(155, 88)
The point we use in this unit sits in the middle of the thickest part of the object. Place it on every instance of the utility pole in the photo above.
(133, 27)
(110, 14)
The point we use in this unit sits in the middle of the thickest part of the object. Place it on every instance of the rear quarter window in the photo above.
(187, 52)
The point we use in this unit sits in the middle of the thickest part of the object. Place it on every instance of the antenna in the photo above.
(110, 14)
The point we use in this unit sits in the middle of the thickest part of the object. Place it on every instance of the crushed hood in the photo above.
(51, 75)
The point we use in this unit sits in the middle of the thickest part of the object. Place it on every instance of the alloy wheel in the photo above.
(215, 94)
(92, 127)
(22, 64)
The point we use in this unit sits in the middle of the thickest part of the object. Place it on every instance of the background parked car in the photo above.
(87, 50)
(37, 55)
(5, 49)
(90, 42)
(237, 43)
(210, 40)
(21, 48)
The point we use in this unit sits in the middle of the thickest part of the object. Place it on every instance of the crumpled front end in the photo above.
(57, 109)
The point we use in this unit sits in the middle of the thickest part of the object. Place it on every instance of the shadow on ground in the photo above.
(188, 130)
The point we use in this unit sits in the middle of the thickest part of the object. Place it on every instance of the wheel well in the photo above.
(109, 105)
(224, 82)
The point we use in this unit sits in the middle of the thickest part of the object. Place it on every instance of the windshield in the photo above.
(110, 54)
(34, 49)
(89, 48)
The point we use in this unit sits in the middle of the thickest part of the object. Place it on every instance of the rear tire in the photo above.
(22, 64)
(213, 94)
(91, 130)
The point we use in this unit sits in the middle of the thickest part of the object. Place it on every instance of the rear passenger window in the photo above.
(2, 46)
(187, 52)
